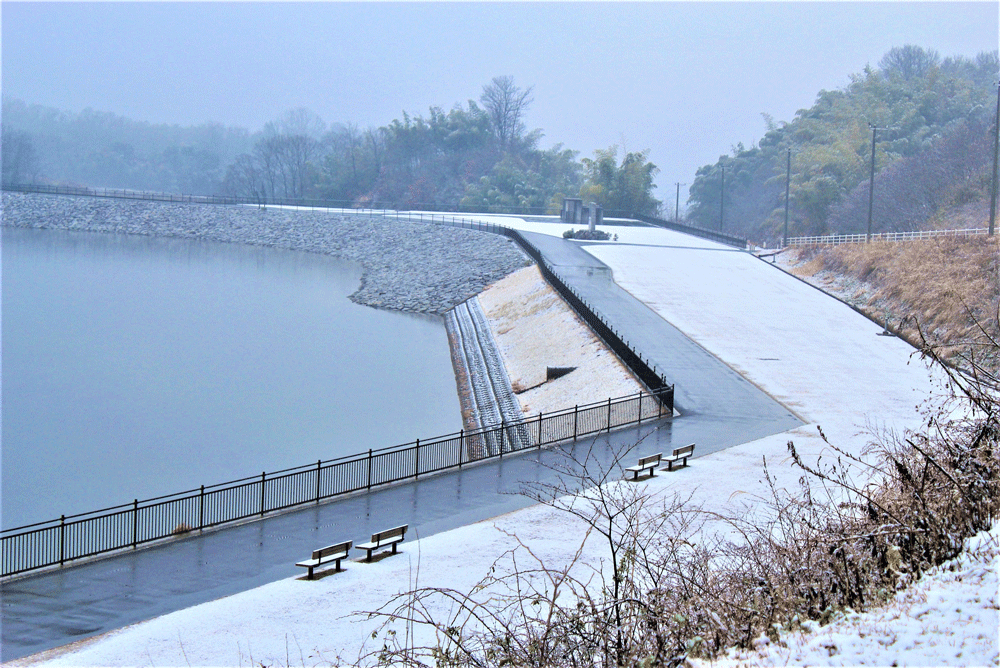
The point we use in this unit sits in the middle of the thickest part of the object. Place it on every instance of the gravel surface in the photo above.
(415, 267)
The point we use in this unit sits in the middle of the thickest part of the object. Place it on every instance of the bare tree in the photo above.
(298, 152)
(20, 161)
(678, 582)
(285, 162)
(505, 104)
(909, 62)
(246, 179)
(351, 139)
(376, 141)
(300, 121)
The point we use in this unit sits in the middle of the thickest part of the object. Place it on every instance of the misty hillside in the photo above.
(103, 150)
(474, 157)
(933, 153)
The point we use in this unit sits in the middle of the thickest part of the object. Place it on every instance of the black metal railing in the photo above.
(632, 358)
(605, 330)
(711, 235)
(112, 193)
(69, 538)
(363, 205)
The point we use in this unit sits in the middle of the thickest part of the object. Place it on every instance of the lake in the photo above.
(134, 367)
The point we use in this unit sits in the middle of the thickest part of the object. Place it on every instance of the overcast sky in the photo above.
(685, 80)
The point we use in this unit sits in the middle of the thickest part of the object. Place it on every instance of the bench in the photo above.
(679, 454)
(325, 555)
(645, 464)
(382, 539)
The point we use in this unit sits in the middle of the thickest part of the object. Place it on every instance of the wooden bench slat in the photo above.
(325, 555)
(679, 454)
(384, 538)
(648, 463)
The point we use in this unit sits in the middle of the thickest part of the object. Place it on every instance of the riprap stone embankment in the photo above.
(416, 267)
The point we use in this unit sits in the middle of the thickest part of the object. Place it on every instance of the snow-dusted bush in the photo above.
(587, 235)
(680, 583)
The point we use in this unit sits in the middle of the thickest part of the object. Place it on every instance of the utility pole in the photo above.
(871, 187)
(996, 153)
(788, 182)
(677, 205)
(722, 199)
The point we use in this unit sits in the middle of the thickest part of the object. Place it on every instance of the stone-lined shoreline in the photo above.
(413, 267)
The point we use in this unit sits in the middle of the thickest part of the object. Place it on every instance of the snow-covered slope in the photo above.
(821, 358)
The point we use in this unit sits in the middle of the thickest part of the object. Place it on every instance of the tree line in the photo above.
(479, 156)
(933, 122)
(101, 149)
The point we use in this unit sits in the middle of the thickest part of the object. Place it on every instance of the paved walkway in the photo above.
(705, 387)
(718, 408)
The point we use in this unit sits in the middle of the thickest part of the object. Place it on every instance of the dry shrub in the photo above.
(678, 582)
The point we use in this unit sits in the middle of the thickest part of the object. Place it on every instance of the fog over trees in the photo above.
(477, 156)
(933, 153)
(101, 149)
(934, 117)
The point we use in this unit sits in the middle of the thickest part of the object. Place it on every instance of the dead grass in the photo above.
(677, 582)
(944, 286)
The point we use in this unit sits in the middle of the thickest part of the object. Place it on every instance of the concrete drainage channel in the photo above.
(489, 393)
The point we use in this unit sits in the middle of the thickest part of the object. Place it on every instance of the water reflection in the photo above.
(137, 366)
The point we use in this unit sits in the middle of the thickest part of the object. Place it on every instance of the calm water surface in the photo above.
(136, 367)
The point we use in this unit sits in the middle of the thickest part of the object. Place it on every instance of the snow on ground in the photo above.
(776, 331)
(636, 233)
(535, 329)
(948, 618)
(808, 350)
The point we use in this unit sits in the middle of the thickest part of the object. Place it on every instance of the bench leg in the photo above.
(336, 564)
(394, 547)
(310, 576)
(368, 557)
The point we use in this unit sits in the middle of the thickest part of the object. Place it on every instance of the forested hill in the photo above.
(477, 157)
(933, 155)
(101, 149)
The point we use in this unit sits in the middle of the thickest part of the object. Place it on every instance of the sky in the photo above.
(685, 80)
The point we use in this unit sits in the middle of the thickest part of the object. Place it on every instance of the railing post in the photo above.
(263, 476)
(135, 523)
(609, 413)
(503, 431)
(576, 410)
(319, 471)
(62, 540)
(201, 508)
(461, 447)
(369, 468)
(640, 408)
(539, 429)
(416, 471)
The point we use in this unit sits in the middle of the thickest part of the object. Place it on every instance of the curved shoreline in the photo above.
(411, 267)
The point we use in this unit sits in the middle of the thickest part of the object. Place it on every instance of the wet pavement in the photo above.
(704, 385)
(719, 409)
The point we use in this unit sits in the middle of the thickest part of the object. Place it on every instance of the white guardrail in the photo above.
(835, 239)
